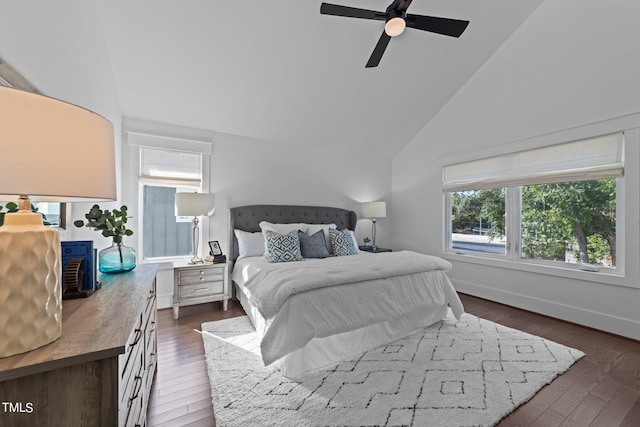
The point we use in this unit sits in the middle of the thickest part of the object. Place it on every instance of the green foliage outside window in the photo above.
(572, 217)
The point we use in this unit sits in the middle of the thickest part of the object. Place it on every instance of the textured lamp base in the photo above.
(30, 285)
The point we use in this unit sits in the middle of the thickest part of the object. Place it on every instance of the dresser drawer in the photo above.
(200, 290)
(134, 403)
(128, 360)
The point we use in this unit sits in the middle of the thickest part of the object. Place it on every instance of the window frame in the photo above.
(136, 142)
(625, 273)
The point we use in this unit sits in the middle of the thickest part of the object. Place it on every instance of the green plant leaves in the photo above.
(108, 223)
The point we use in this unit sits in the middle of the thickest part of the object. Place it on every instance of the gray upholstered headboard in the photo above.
(248, 218)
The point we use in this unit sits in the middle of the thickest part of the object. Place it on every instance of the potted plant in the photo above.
(117, 258)
(367, 241)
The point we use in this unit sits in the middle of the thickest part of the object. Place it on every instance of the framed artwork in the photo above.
(214, 246)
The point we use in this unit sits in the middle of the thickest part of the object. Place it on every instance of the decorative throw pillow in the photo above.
(355, 239)
(280, 229)
(249, 244)
(342, 242)
(313, 246)
(314, 228)
(282, 247)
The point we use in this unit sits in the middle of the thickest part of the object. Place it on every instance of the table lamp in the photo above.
(50, 151)
(373, 211)
(195, 205)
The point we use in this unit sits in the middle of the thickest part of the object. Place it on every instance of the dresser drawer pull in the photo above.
(153, 327)
(200, 289)
(136, 388)
(201, 271)
(136, 340)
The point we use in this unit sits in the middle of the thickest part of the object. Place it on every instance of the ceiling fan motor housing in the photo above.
(395, 22)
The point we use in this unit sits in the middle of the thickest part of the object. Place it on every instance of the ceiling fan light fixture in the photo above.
(395, 26)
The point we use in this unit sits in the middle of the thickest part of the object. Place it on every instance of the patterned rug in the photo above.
(468, 373)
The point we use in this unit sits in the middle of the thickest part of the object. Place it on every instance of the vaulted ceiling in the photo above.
(279, 70)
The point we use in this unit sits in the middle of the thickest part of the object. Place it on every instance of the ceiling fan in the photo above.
(396, 20)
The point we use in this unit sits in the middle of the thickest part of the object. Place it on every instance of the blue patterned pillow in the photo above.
(342, 242)
(314, 246)
(282, 247)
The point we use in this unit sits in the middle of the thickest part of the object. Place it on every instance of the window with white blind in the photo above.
(555, 205)
(167, 166)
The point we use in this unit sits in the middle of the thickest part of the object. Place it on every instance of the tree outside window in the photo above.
(572, 222)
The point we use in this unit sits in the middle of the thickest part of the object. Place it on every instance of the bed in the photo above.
(313, 313)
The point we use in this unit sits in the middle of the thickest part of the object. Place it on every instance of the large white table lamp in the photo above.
(373, 211)
(195, 205)
(50, 151)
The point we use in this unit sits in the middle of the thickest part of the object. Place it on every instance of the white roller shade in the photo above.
(595, 158)
(171, 167)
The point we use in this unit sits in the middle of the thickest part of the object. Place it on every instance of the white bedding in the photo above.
(310, 304)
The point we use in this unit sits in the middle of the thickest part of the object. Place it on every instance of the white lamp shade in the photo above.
(194, 204)
(49, 151)
(374, 210)
(54, 151)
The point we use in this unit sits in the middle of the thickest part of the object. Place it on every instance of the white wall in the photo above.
(60, 48)
(247, 171)
(570, 69)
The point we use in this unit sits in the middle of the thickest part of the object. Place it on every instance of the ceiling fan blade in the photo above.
(374, 60)
(434, 24)
(401, 5)
(350, 12)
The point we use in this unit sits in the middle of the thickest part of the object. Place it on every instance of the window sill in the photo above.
(604, 277)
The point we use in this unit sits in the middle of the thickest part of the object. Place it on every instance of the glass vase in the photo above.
(117, 258)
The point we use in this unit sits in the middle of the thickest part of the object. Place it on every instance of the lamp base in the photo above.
(31, 291)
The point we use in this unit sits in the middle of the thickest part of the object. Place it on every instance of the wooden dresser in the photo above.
(100, 371)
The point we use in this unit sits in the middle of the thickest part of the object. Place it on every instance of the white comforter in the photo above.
(322, 297)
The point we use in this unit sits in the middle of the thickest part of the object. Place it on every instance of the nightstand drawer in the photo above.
(200, 290)
(192, 278)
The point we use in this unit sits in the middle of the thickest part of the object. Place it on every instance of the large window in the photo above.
(166, 166)
(557, 204)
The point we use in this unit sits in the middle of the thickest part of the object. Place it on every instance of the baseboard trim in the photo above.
(165, 301)
(592, 319)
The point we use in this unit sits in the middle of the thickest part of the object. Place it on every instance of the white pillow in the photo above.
(249, 244)
(314, 228)
(280, 229)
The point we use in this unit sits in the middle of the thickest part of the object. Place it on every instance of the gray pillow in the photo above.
(314, 246)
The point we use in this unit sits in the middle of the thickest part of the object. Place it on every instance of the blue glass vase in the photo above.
(117, 258)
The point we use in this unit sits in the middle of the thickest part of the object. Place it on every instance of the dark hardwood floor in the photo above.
(601, 389)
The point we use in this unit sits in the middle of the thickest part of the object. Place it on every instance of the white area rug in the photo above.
(468, 373)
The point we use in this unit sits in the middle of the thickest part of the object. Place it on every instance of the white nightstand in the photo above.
(199, 283)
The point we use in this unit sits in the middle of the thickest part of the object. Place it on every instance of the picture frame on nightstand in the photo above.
(215, 249)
